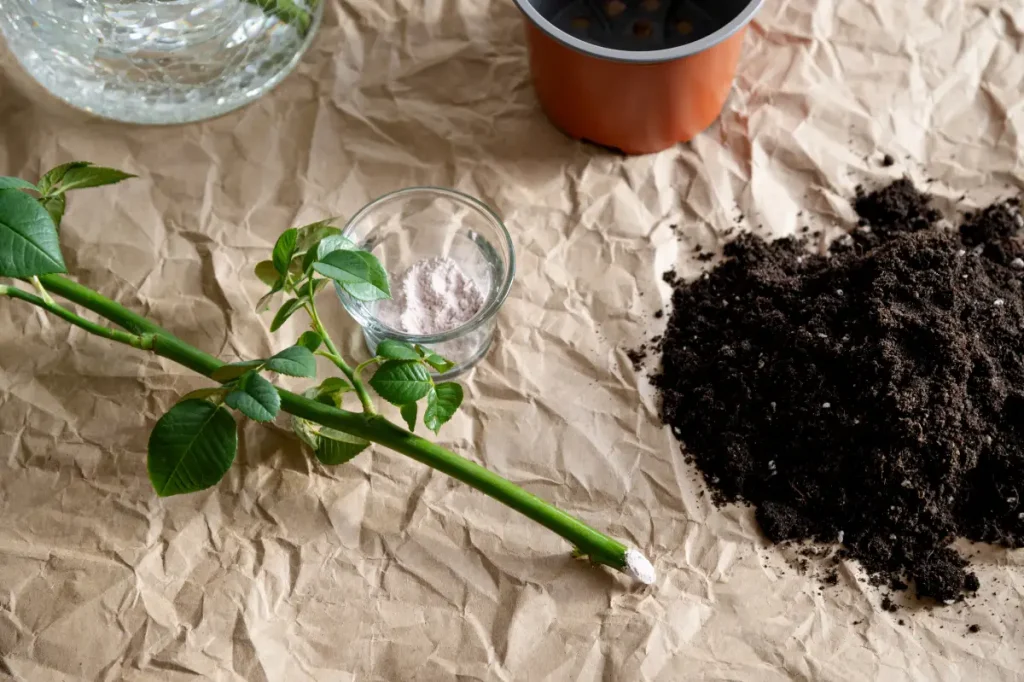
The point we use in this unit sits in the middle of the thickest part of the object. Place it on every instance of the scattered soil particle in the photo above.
(659, 314)
(889, 605)
(871, 396)
(637, 356)
(973, 629)
(705, 257)
(888, 160)
(971, 583)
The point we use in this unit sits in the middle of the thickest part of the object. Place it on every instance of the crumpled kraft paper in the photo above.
(382, 569)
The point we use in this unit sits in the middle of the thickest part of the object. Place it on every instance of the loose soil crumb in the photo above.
(637, 356)
(871, 397)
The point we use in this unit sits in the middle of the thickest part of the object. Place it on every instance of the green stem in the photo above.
(42, 291)
(144, 342)
(335, 357)
(598, 547)
(319, 328)
(101, 305)
(358, 371)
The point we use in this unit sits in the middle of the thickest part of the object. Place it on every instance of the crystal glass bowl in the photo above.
(158, 61)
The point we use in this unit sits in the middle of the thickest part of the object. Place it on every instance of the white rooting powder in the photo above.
(433, 296)
(639, 567)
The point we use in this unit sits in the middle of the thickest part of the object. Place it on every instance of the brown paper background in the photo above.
(381, 569)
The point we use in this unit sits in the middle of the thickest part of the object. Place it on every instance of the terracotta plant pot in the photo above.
(636, 75)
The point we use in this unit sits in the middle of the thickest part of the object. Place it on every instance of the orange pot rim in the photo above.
(641, 57)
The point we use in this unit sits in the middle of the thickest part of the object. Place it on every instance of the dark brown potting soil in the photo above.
(872, 397)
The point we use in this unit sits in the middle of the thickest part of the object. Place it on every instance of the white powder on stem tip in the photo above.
(433, 296)
(639, 567)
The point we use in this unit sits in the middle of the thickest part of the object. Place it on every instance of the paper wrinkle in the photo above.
(380, 569)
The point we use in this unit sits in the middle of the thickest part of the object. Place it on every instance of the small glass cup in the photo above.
(412, 224)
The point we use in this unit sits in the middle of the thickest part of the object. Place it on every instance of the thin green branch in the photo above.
(43, 294)
(598, 547)
(363, 365)
(318, 326)
(143, 342)
(335, 357)
(101, 305)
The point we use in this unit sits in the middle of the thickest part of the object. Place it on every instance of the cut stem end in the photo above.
(639, 567)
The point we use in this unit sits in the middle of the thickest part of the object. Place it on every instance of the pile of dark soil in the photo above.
(873, 396)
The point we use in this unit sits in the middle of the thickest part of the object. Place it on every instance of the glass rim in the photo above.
(494, 300)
